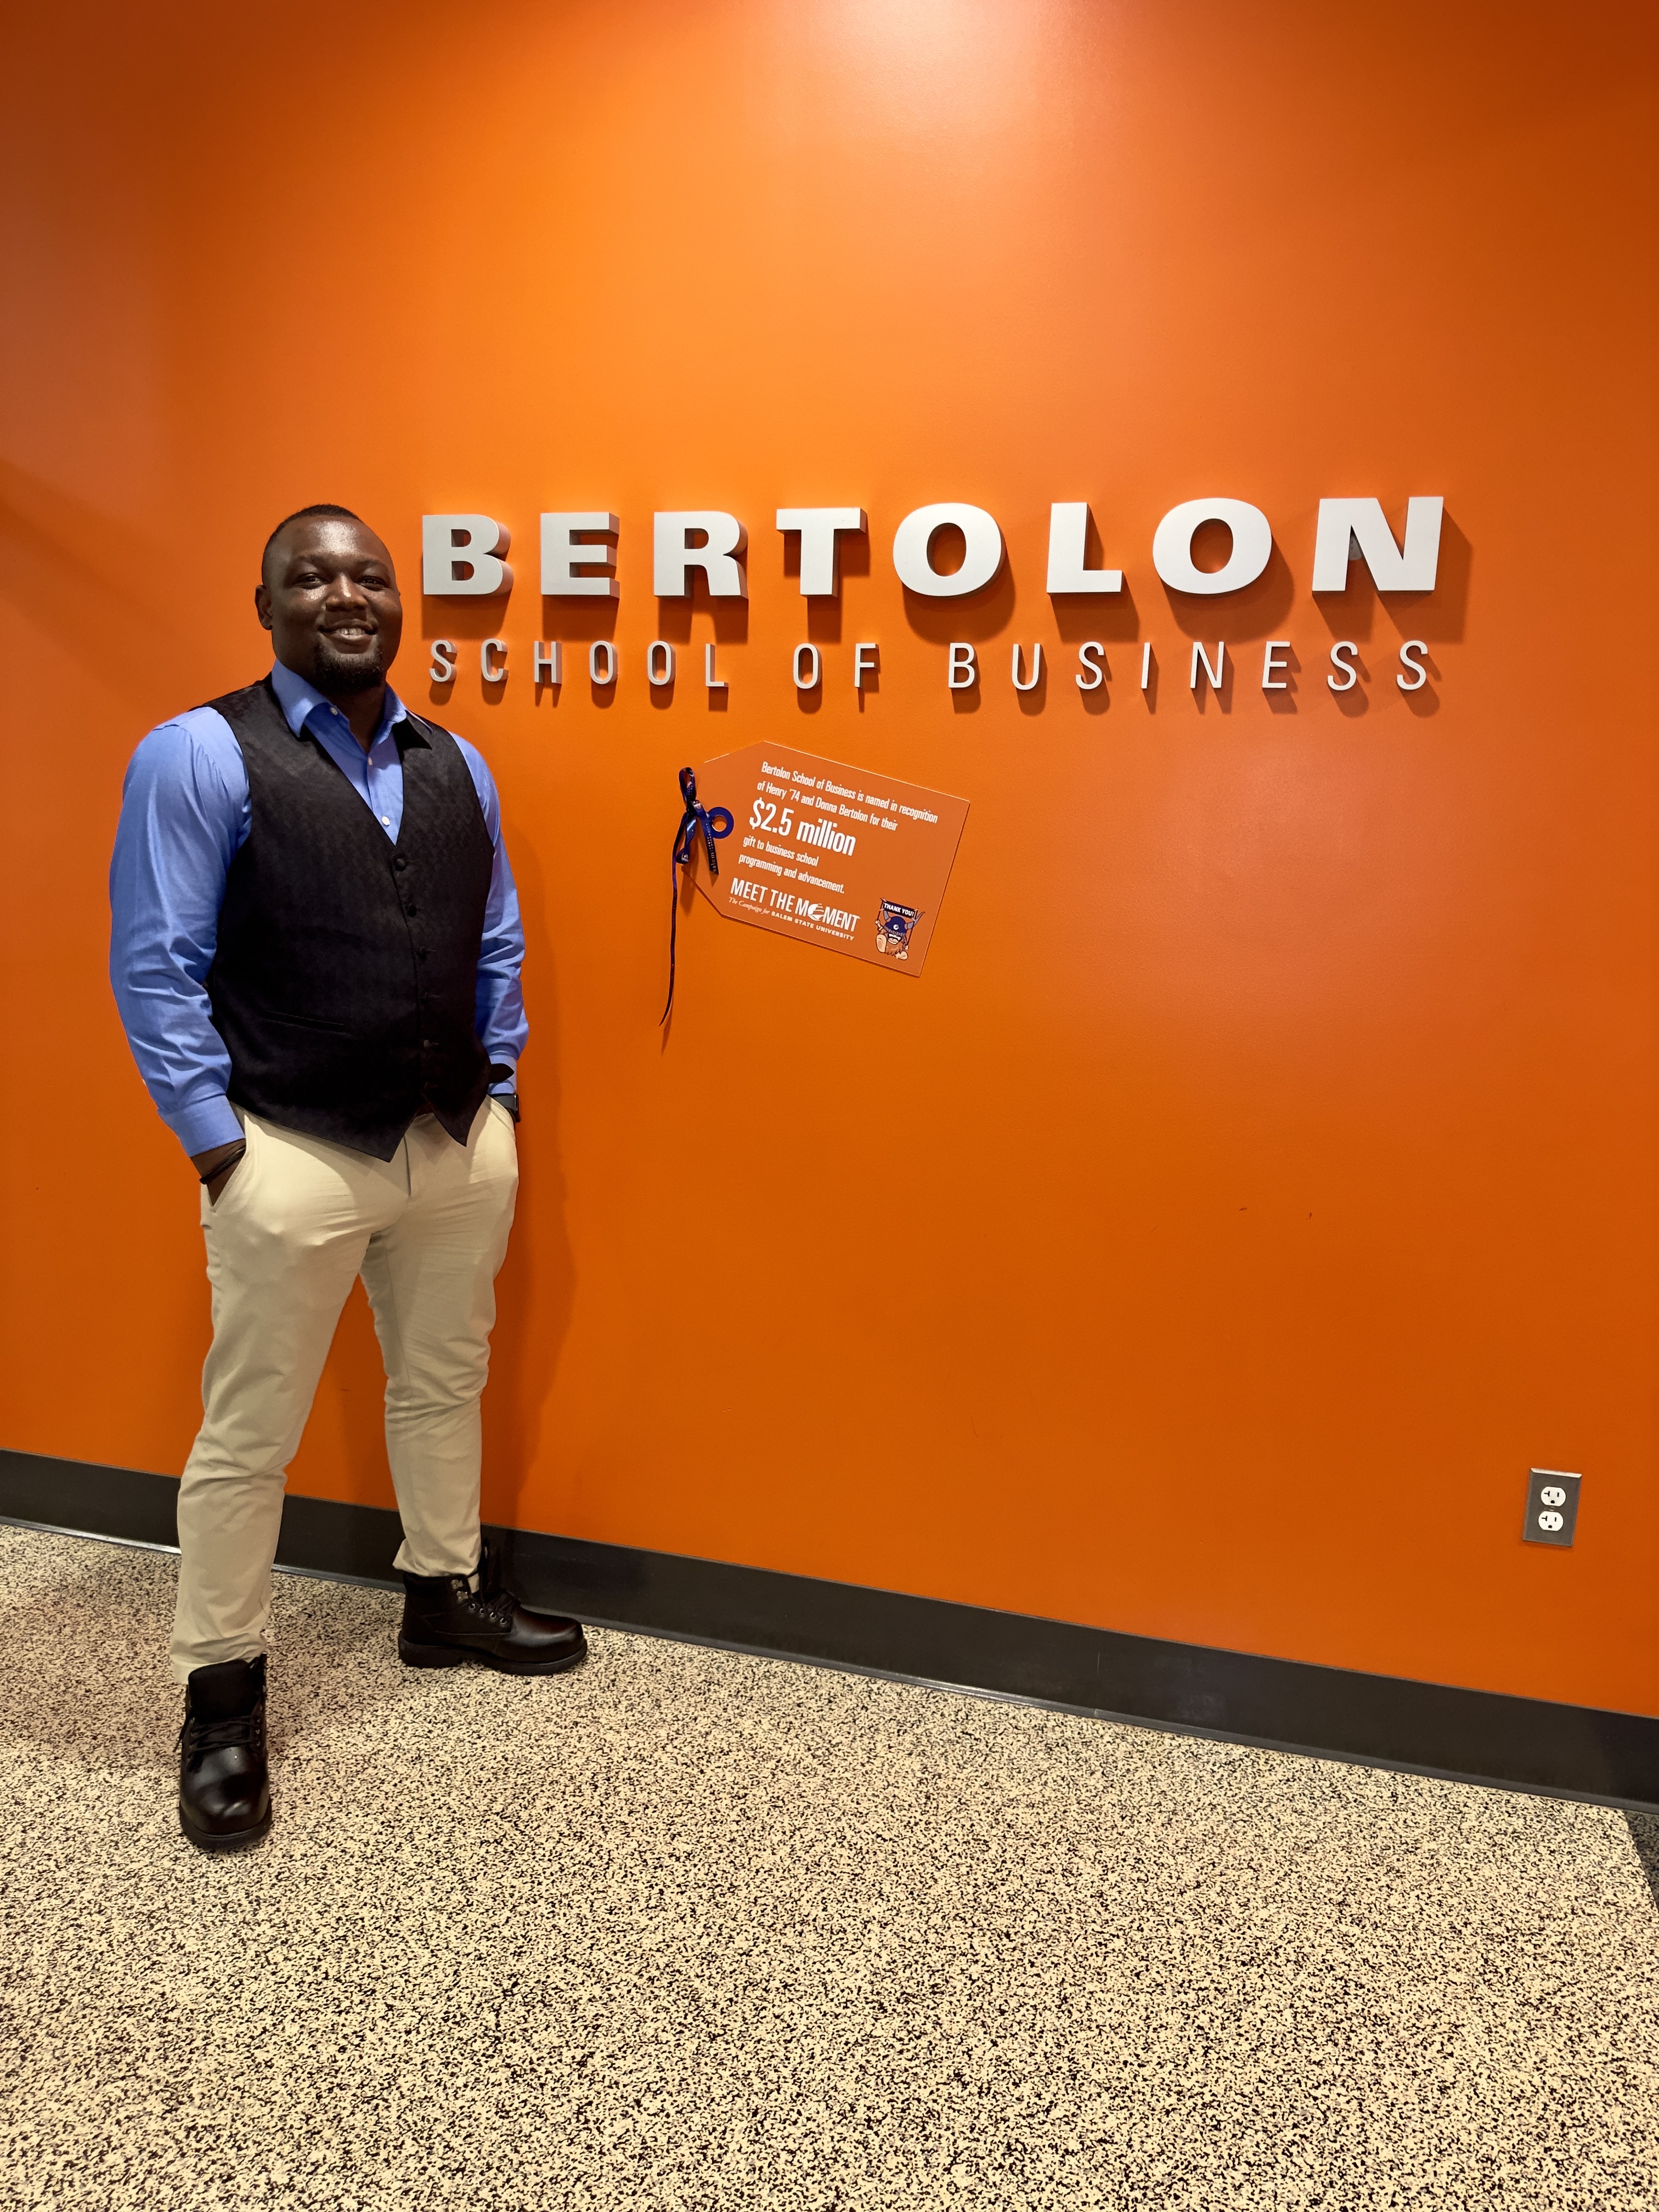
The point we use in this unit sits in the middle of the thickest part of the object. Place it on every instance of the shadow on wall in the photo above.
(577, 624)
(730, 617)
(822, 617)
(1645, 1834)
(579, 620)
(1261, 610)
(463, 621)
(976, 617)
(1438, 616)
(463, 618)
(1112, 616)
(536, 1291)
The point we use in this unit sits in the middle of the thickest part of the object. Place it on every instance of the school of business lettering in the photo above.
(464, 555)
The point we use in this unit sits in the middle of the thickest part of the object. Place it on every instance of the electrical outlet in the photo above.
(1552, 1507)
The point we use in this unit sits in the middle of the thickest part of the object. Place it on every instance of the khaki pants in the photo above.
(296, 1223)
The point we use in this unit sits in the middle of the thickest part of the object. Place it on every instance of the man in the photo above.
(316, 953)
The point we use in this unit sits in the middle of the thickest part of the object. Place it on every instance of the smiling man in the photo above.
(316, 953)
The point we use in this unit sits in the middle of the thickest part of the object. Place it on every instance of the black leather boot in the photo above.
(447, 1622)
(224, 1787)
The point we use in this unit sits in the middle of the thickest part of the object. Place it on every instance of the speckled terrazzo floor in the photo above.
(694, 1930)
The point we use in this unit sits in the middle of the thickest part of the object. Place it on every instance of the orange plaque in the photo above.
(830, 854)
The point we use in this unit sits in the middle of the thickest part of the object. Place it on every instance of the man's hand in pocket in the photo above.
(217, 1165)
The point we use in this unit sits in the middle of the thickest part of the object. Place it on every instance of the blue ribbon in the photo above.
(698, 820)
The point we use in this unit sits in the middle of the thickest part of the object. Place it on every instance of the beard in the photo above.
(338, 674)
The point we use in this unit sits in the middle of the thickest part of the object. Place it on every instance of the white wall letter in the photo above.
(602, 662)
(914, 537)
(819, 528)
(1068, 531)
(1092, 657)
(659, 672)
(1200, 658)
(1409, 659)
(563, 554)
(487, 652)
(544, 664)
(806, 682)
(1035, 677)
(1347, 527)
(864, 662)
(452, 543)
(1344, 665)
(1172, 545)
(672, 553)
(1146, 666)
(960, 671)
(712, 682)
(1273, 664)
(444, 657)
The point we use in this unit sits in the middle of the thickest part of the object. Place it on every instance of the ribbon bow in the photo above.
(698, 820)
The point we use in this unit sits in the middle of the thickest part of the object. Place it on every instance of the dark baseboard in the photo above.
(1374, 1719)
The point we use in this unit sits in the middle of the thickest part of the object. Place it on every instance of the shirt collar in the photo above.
(300, 701)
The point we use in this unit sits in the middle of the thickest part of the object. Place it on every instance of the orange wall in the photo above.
(1261, 1177)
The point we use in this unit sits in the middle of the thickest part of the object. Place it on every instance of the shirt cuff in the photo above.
(209, 1122)
(507, 1082)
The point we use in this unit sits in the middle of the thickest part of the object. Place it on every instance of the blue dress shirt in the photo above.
(186, 814)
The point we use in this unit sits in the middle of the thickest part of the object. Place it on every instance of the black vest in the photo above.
(345, 976)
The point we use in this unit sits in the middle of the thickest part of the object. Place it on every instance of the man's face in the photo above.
(330, 600)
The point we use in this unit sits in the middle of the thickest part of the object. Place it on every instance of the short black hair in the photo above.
(322, 506)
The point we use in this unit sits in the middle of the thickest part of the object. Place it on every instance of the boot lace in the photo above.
(494, 1605)
(236, 1731)
(490, 1602)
